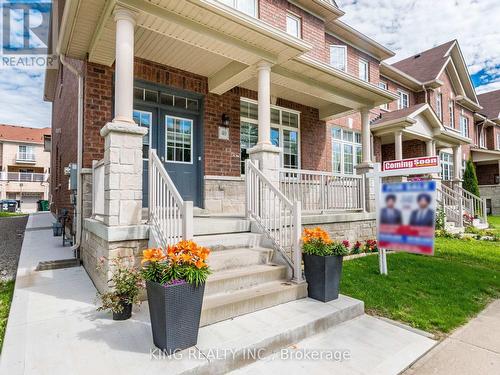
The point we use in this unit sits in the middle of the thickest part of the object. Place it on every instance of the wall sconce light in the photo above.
(224, 127)
(225, 120)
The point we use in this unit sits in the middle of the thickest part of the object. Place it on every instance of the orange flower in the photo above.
(316, 234)
(200, 264)
(152, 255)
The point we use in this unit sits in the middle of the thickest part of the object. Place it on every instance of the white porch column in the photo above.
(124, 64)
(430, 147)
(398, 143)
(457, 162)
(366, 135)
(266, 154)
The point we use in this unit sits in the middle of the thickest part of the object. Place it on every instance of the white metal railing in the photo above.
(170, 217)
(473, 204)
(26, 156)
(98, 188)
(323, 191)
(450, 203)
(276, 215)
(24, 177)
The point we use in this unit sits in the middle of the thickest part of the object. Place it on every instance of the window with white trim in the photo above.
(364, 68)
(439, 105)
(464, 126)
(285, 132)
(246, 6)
(451, 112)
(346, 150)
(403, 100)
(144, 118)
(482, 137)
(179, 139)
(383, 85)
(498, 141)
(26, 153)
(338, 57)
(293, 25)
(446, 165)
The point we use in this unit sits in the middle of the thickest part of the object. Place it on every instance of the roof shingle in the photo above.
(23, 134)
(490, 101)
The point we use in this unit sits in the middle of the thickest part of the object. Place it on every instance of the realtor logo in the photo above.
(25, 35)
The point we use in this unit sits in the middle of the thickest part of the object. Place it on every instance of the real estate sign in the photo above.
(415, 163)
(406, 216)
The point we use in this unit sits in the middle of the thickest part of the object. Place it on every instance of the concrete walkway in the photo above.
(470, 350)
(53, 329)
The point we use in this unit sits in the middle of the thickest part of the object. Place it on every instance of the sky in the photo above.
(404, 26)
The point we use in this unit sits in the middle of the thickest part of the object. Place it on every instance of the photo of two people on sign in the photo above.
(421, 216)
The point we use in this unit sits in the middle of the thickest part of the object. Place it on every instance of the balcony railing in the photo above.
(26, 157)
(23, 177)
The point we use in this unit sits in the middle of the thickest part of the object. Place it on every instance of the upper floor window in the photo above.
(404, 99)
(498, 141)
(338, 57)
(246, 6)
(346, 150)
(293, 25)
(464, 126)
(451, 110)
(383, 85)
(439, 105)
(481, 136)
(364, 70)
(25, 153)
(446, 166)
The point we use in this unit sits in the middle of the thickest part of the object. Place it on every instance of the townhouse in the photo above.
(24, 165)
(238, 123)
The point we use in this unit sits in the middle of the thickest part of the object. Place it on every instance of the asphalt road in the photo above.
(11, 240)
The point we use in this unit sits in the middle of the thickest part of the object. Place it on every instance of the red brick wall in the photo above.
(313, 29)
(64, 140)
(411, 149)
(394, 87)
(486, 173)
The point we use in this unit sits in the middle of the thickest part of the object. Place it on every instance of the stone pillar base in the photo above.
(122, 173)
(268, 158)
(370, 188)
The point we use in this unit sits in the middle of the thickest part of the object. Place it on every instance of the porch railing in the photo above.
(24, 177)
(98, 189)
(323, 191)
(451, 204)
(170, 217)
(473, 204)
(276, 215)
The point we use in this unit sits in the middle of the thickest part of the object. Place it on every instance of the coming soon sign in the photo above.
(394, 165)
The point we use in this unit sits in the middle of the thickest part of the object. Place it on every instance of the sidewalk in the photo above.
(53, 329)
(472, 349)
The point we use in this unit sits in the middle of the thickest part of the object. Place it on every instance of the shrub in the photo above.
(440, 219)
(318, 242)
(371, 246)
(470, 182)
(125, 284)
(357, 248)
(182, 262)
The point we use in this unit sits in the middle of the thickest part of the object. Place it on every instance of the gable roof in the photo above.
(16, 133)
(425, 66)
(490, 101)
(399, 114)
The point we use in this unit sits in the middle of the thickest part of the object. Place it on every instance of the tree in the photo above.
(470, 178)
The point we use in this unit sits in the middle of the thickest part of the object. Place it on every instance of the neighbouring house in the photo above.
(24, 165)
(486, 151)
(162, 105)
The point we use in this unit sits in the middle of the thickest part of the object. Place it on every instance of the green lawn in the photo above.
(436, 294)
(9, 214)
(494, 222)
(6, 290)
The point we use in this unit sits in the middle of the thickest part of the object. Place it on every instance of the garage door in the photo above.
(29, 202)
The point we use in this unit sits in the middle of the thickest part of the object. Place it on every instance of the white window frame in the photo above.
(166, 140)
(279, 126)
(401, 94)
(235, 4)
(464, 126)
(384, 86)
(342, 142)
(298, 20)
(439, 105)
(482, 138)
(451, 111)
(365, 64)
(446, 161)
(344, 48)
(150, 129)
(498, 141)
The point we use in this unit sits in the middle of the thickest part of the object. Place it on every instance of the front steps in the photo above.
(244, 278)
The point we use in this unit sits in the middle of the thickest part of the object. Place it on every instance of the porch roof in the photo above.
(484, 156)
(210, 39)
(417, 122)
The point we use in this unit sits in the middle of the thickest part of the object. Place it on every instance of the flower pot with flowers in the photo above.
(323, 264)
(125, 284)
(175, 282)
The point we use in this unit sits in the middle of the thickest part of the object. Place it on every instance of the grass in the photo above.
(6, 290)
(435, 294)
(10, 214)
(494, 222)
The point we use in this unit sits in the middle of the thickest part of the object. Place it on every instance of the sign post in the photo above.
(407, 223)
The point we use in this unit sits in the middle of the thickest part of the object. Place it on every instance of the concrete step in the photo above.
(224, 306)
(267, 331)
(241, 278)
(229, 240)
(239, 258)
(220, 225)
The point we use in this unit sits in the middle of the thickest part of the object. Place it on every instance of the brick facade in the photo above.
(411, 149)
(486, 173)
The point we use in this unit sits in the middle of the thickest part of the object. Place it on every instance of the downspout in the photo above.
(425, 95)
(79, 157)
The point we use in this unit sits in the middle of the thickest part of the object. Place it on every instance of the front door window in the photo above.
(144, 119)
(179, 141)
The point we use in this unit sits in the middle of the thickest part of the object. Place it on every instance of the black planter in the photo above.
(125, 314)
(323, 276)
(175, 312)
